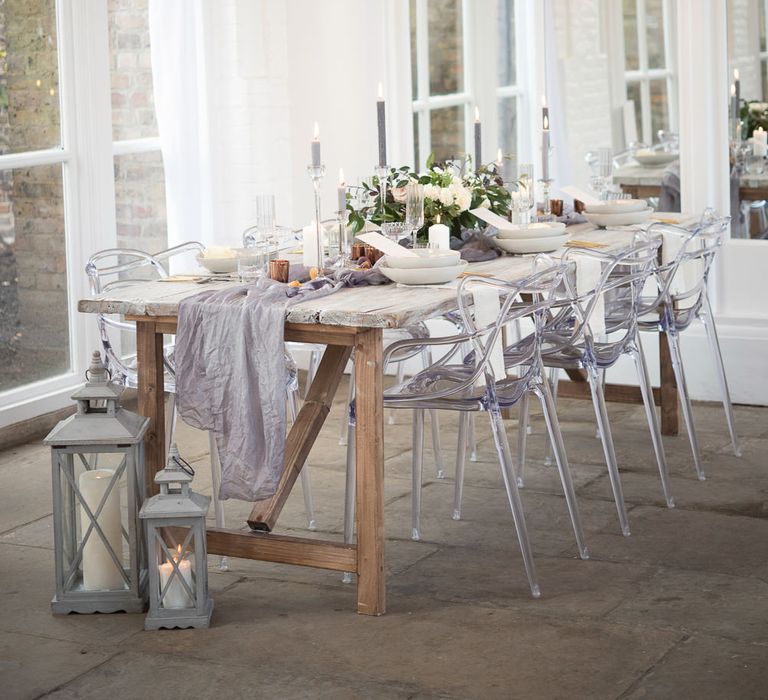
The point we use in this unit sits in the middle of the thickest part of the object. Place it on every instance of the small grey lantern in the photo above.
(98, 489)
(178, 566)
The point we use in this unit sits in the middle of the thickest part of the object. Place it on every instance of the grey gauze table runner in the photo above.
(231, 378)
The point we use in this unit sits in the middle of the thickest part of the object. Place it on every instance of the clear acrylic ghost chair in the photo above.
(121, 267)
(454, 384)
(682, 298)
(569, 343)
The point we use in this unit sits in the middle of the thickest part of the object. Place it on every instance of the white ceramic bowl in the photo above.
(425, 257)
(217, 265)
(554, 228)
(424, 275)
(648, 157)
(617, 206)
(628, 219)
(521, 246)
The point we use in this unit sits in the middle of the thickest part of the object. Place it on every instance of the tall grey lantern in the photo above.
(97, 458)
(178, 563)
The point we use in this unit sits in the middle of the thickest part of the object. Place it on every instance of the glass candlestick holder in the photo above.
(546, 209)
(381, 172)
(316, 174)
(343, 249)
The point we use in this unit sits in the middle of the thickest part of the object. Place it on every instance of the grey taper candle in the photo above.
(478, 140)
(382, 123)
(316, 148)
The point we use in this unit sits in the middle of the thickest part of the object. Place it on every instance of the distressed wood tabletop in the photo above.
(381, 306)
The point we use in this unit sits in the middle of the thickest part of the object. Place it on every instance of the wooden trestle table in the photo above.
(351, 319)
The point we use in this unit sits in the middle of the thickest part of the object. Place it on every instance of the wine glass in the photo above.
(524, 200)
(414, 209)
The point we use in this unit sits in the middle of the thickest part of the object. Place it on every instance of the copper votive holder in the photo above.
(373, 254)
(578, 206)
(556, 207)
(358, 251)
(278, 270)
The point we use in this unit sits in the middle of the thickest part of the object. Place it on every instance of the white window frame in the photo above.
(86, 157)
(644, 75)
(480, 81)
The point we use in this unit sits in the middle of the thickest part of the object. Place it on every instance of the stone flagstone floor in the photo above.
(677, 610)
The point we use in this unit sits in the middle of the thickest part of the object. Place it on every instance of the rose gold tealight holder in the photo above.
(556, 207)
(578, 206)
(278, 270)
(373, 254)
(358, 251)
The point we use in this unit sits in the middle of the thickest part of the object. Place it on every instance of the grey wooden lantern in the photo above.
(97, 458)
(178, 566)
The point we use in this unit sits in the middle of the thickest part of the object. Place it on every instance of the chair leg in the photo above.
(416, 472)
(673, 339)
(554, 378)
(218, 506)
(349, 496)
(522, 438)
(601, 413)
(708, 320)
(306, 484)
(434, 422)
(461, 459)
(350, 396)
(513, 496)
(556, 438)
(472, 439)
(399, 377)
(646, 389)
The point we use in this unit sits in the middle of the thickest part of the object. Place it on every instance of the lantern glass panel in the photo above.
(176, 564)
(97, 527)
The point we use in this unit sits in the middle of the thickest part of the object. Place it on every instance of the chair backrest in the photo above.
(116, 268)
(578, 319)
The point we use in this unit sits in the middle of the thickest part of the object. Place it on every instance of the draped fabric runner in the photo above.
(231, 378)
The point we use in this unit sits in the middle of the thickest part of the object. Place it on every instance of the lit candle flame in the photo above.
(735, 73)
(381, 92)
(317, 132)
(477, 114)
(341, 176)
(546, 122)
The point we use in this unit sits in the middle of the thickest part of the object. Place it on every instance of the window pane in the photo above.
(633, 93)
(631, 51)
(654, 21)
(447, 132)
(508, 125)
(414, 65)
(446, 46)
(659, 107)
(29, 77)
(133, 104)
(416, 156)
(140, 202)
(507, 73)
(34, 324)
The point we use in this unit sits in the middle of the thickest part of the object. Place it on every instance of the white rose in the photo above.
(431, 192)
(446, 196)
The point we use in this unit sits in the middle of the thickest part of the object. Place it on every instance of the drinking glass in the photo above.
(414, 208)
(263, 225)
(602, 170)
(755, 163)
(394, 230)
(252, 260)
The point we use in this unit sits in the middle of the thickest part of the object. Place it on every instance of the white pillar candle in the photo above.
(99, 570)
(176, 596)
(309, 256)
(439, 236)
(760, 141)
(316, 161)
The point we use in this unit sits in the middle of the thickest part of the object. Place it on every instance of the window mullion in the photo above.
(422, 79)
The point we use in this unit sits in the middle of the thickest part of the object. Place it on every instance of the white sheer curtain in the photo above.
(181, 103)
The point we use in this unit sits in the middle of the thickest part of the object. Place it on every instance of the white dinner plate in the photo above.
(617, 206)
(542, 244)
(656, 157)
(427, 257)
(423, 275)
(554, 228)
(628, 219)
(218, 264)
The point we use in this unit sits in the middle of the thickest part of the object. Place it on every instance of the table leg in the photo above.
(369, 454)
(151, 395)
(669, 404)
